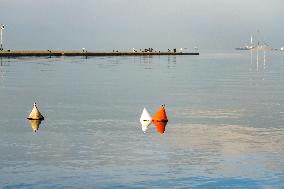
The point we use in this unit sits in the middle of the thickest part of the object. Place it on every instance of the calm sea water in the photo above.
(225, 129)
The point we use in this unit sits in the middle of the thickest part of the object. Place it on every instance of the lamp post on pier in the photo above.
(1, 36)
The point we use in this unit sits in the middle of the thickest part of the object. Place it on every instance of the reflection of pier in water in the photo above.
(149, 60)
(260, 54)
(2, 71)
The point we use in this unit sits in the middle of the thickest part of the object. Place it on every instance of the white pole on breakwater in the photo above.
(1, 36)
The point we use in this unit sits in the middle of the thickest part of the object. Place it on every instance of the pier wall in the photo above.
(77, 53)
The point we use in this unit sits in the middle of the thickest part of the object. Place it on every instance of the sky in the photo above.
(106, 25)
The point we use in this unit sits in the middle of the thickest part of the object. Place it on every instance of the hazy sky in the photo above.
(122, 24)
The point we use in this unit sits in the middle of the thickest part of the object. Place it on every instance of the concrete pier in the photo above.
(49, 53)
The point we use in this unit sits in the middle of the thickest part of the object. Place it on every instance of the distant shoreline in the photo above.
(10, 53)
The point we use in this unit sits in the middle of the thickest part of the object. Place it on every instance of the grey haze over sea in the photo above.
(105, 25)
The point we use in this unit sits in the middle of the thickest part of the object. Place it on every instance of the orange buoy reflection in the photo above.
(160, 126)
(35, 124)
(161, 115)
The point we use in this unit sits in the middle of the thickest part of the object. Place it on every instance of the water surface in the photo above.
(225, 130)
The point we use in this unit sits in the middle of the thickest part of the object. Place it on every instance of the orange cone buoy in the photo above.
(160, 126)
(35, 114)
(161, 115)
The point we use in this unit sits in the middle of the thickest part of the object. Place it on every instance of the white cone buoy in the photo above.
(145, 120)
(35, 114)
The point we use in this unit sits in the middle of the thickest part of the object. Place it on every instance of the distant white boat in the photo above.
(245, 48)
(259, 45)
(145, 120)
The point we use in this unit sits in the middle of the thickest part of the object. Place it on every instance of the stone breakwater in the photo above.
(8, 53)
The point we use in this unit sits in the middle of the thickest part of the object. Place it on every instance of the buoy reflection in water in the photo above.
(35, 124)
(144, 128)
(160, 126)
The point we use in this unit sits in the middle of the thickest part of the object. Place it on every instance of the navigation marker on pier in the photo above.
(1, 36)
